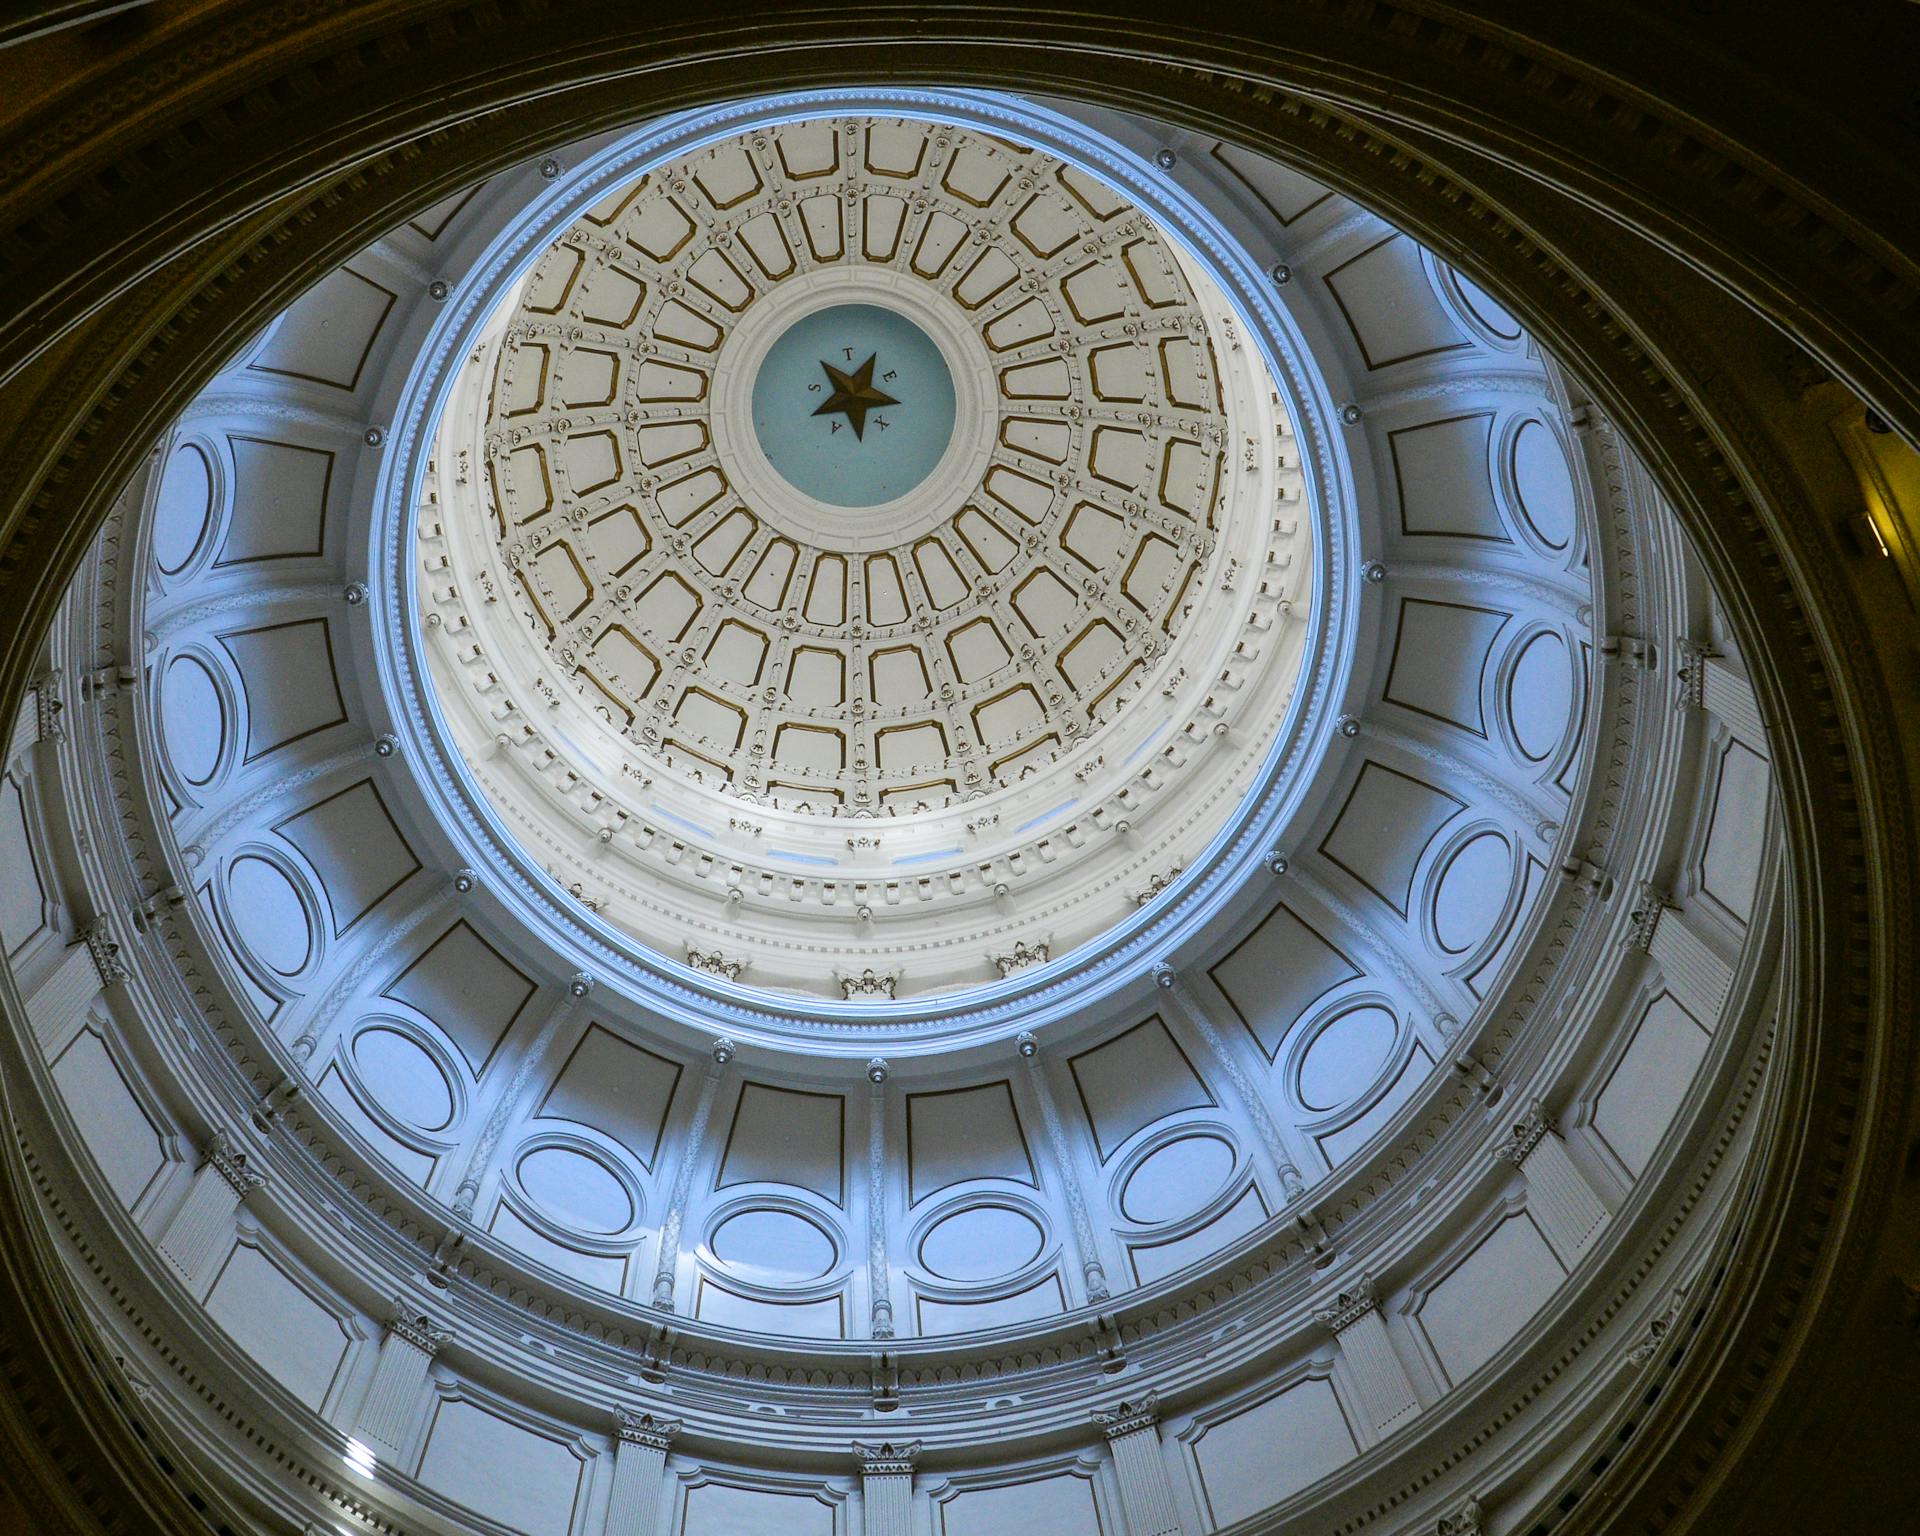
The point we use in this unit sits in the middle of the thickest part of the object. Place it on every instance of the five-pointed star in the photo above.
(853, 394)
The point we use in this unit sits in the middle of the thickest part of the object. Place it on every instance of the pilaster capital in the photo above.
(104, 952)
(1348, 1307)
(47, 706)
(1528, 1132)
(634, 1426)
(409, 1323)
(887, 1458)
(231, 1164)
(1692, 673)
(1648, 903)
(1464, 1521)
(1129, 1416)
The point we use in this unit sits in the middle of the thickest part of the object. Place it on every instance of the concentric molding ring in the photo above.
(680, 996)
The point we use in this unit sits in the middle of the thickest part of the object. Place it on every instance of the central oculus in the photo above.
(853, 405)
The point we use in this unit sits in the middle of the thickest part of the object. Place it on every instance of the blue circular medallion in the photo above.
(853, 405)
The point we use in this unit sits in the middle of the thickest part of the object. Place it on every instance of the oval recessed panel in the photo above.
(269, 915)
(403, 1076)
(183, 509)
(1543, 482)
(1488, 310)
(576, 1190)
(1176, 1180)
(981, 1243)
(193, 721)
(1471, 891)
(773, 1247)
(1345, 1057)
(1540, 695)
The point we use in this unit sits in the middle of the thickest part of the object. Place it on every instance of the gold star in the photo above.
(854, 395)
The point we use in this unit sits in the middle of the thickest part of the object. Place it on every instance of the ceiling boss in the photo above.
(854, 395)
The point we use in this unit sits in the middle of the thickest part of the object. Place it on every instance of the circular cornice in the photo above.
(1186, 886)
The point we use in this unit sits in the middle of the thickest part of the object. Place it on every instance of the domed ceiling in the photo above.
(834, 516)
(1249, 804)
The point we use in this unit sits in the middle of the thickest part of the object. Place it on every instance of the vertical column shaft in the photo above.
(639, 1466)
(390, 1412)
(57, 1006)
(1386, 1393)
(203, 1225)
(1727, 694)
(1692, 968)
(1569, 1212)
(1133, 1433)
(886, 1486)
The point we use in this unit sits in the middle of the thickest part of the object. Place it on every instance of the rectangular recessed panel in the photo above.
(1151, 1261)
(1030, 1305)
(817, 678)
(353, 845)
(612, 298)
(468, 988)
(1443, 479)
(1134, 1079)
(1057, 1504)
(903, 748)
(1730, 861)
(1389, 305)
(1384, 827)
(280, 496)
(1285, 192)
(789, 1319)
(1340, 1145)
(723, 1509)
(618, 1088)
(780, 1136)
(967, 1133)
(410, 1162)
(526, 1481)
(1440, 654)
(23, 901)
(601, 1271)
(898, 676)
(1488, 1296)
(1279, 971)
(886, 597)
(123, 1141)
(977, 650)
(1269, 1451)
(328, 334)
(1649, 1082)
(289, 1334)
(1006, 715)
(288, 681)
